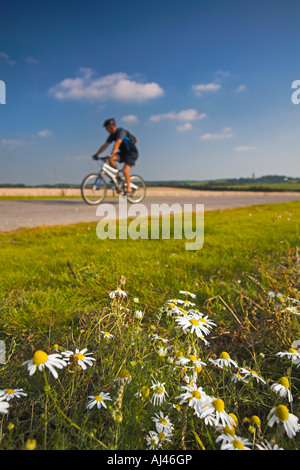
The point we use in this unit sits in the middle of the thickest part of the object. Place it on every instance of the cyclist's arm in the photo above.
(116, 146)
(101, 149)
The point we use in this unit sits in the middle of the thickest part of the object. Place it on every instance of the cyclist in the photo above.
(124, 150)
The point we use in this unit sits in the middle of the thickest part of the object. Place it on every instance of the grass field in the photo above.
(55, 286)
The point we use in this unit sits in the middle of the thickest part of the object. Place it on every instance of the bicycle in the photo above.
(94, 186)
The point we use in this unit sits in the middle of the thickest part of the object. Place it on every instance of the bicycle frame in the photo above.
(112, 173)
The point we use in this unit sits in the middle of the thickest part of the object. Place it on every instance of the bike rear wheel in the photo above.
(138, 189)
(93, 189)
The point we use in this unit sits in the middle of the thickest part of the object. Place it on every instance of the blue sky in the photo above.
(204, 85)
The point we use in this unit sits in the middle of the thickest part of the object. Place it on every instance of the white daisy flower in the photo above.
(281, 415)
(107, 335)
(194, 396)
(124, 377)
(10, 393)
(252, 374)
(192, 361)
(234, 442)
(117, 293)
(79, 357)
(185, 292)
(237, 377)
(266, 445)
(41, 360)
(163, 423)
(4, 405)
(195, 323)
(215, 409)
(292, 354)
(98, 400)
(224, 360)
(159, 393)
(282, 388)
(153, 441)
(293, 310)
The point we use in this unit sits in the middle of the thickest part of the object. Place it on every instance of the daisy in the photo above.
(79, 357)
(192, 361)
(163, 423)
(293, 310)
(107, 335)
(224, 360)
(185, 292)
(215, 408)
(268, 446)
(153, 440)
(138, 314)
(98, 400)
(41, 360)
(238, 378)
(194, 396)
(252, 374)
(159, 393)
(124, 377)
(281, 387)
(281, 415)
(3, 406)
(117, 293)
(292, 353)
(233, 442)
(10, 393)
(195, 323)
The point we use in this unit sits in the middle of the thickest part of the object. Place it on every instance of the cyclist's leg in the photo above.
(126, 171)
(113, 159)
(129, 160)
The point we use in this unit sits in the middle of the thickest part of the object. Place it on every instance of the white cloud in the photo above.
(245, 148)
(13, 143)
(118, 86)
(130, 118)
(185, 115)
(31, 60)
(225, 134)
(45, 133)
(185, 127)
(240, 88)
(7, 58)
(205, 87)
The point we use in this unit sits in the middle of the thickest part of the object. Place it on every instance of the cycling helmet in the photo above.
(108, 122)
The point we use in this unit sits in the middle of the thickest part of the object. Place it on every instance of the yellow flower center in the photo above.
(153, 441)
(98, 398)
(39, 357)
(253, 372)
(202, 320)
(9, 391)
(193, 321)
(163, 421)
(161, 436)
(224, 355)
(196, 394)
(79, 356)
(159, 390)
(218, 404)
(282, 412)
(233, 416)
(124, 374)
(238, 444)
(229, 430)
(145, 391)
(292, 351)
(284, 381)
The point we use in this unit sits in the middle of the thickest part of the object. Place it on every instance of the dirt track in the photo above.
(36, 212)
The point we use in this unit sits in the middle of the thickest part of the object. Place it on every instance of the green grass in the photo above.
(54, 290)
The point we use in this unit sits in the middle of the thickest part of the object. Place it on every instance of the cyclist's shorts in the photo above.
(129, 158)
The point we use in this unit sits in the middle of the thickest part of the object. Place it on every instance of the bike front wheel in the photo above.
(93, 189)
(138, 189)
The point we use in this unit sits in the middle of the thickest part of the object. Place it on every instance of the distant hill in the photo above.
(262, 183)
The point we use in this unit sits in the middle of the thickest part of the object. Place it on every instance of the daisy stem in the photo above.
(48, 391)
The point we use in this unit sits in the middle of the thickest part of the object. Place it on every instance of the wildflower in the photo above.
(192, 361)
(124, 377)
(215, 408)
(194, 396)
(238, 378)
(252, 374)
(3, 405)
(98, 400)
(195, 323)
(79, 357)
(184, 292)
(233, 442)
(30, 444)
(136, 300)
(138, 314)
(281, 415)
(143, 392)
(10, 393)
(292, 353)
(107, 335)
(159, 393)
(117, 293)
(281, 387)
(41, 360)
(163, 423)
(293, 310)
(266, 445)
(153, 440)
(224, 360)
